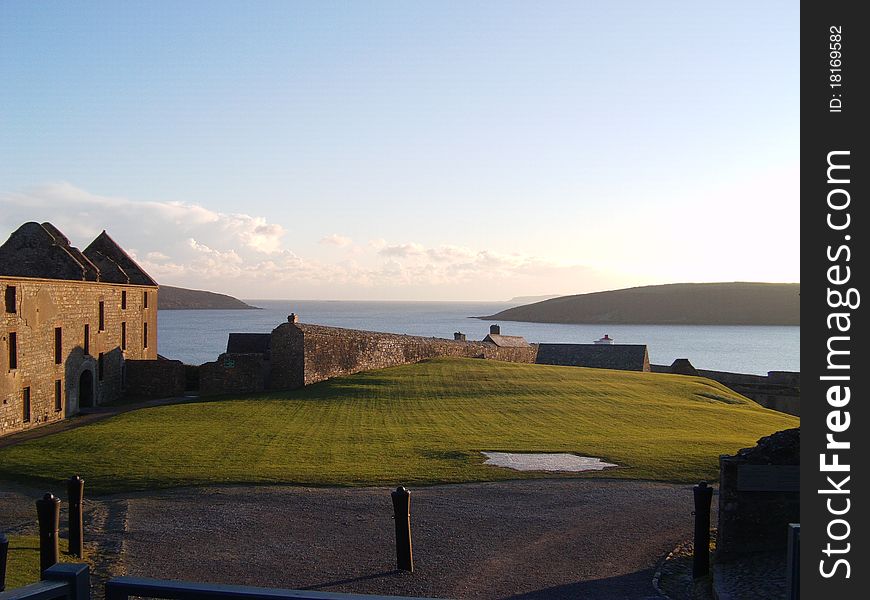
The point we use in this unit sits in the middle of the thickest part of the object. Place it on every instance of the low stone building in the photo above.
(70, 322)
(623, 357)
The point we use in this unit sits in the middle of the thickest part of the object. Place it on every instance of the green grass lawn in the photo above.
(23, 566)
(415, 424)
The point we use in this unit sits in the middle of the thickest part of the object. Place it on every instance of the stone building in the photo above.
(70, 321)
(505, 341)
(624, 357)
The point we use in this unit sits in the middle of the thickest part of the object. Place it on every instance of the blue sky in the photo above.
(396, 150)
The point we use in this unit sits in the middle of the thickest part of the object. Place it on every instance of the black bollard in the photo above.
(4, 552)
(703, 498)
(48, 512)
(402, 512)
(75, 493)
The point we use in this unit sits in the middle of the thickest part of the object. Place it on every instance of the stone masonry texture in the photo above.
(43, 305)
(757, 521)
(302, 354)
(161, 378)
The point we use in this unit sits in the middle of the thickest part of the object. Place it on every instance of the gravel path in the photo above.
(538, 539)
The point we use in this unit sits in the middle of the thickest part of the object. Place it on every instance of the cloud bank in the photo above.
(190, 245)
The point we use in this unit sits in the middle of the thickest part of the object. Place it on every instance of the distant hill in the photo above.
(673, 304)
(175, 298)
(530, 299)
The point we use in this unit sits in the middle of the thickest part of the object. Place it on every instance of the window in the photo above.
(13, 350)
(10, 299)
(100, 366)
(102, 319)
(144, 299)
(87, 340)
(58, 395)
(144, 335)
(123, 300)
(123, 335)
(58, 345)
(25, 403)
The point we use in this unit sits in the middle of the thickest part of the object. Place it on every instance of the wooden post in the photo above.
(4, 552)
(75, 489)
(402, 513)
(48, 512)
(703, 498)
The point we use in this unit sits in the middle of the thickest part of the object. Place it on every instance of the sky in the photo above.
(409, 150)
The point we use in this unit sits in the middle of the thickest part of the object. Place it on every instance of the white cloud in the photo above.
(192, 246)
(336, 240)
(402, 250)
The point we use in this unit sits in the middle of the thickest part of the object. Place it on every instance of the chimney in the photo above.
(292, 318)
(459, 336)
(494, 330)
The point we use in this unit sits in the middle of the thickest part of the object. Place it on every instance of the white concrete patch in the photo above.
(522, 461)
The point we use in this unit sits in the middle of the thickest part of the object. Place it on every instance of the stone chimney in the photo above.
(459, 336)
(494, 330)
(292, 318)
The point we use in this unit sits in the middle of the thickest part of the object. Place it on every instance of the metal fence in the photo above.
(72, 582)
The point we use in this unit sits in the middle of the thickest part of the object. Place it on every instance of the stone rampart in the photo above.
(159, 378)
(778, 390)
(303, 354)
(234, 374)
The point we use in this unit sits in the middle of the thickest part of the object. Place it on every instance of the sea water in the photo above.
(198, 336)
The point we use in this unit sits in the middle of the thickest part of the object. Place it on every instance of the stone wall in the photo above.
(303, 354)
(41, 306)
(234, 374)
(759, 496)
(159, 378)
(778, 390)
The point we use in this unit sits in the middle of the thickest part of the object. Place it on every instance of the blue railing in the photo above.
(72, 582)
(62, 581)
(121, 588)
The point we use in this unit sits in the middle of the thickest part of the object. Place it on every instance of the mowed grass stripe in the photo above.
(415, 424)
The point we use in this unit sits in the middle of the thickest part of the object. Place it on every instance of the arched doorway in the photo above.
(86, 389)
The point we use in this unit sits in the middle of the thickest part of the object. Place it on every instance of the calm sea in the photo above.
(198, 336)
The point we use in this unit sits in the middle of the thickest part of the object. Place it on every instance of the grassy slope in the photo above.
(422, 423)
(23, 566)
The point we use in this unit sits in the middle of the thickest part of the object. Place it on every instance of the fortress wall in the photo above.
(41, 305)
(155, 378)
(304, 354)
(234, 374)
(778, 390)
(735, 378)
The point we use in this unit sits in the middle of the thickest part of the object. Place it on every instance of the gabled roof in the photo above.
(42, 251)
(35, 250)
(119, 267)
(506, 341)
(625, 357)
